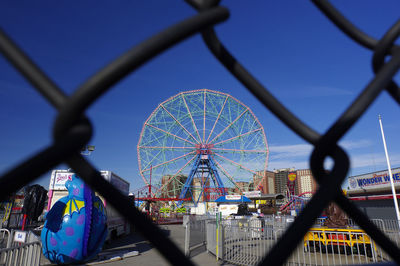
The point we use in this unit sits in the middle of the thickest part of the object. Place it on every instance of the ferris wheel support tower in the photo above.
(204, 163)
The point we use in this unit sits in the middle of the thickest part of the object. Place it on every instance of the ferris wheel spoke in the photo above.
(191, 117)
(156, 138)
(238, 136)
(166, 148)
(169, 161)
(239, 150)
(204, 116)
(176, 120)
(160, 151)
(152, 160)
(235, 163)
(216, 121)
(228, 126)
(180, 170)
(228, 175)
(169, 133)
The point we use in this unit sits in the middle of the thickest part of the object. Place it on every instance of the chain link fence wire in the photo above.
(72, 130)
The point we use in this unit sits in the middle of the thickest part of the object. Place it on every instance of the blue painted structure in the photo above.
(204, 167)
(223, 199)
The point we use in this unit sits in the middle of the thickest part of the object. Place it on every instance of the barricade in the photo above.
(211, 237)
(172, 219)
(391, 230)
(195, 231)
(24, 255)
(246, 241)
(29, 237)
(5, 238)
(19, 248)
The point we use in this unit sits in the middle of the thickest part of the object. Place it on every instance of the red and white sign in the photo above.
(233, 197)
(252, 194)
(58, 180)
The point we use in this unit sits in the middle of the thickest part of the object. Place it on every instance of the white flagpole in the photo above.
(390, 174)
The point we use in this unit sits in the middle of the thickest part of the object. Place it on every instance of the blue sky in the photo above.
(295, 51)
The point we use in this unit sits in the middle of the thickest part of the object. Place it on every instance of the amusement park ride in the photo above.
(296, 202)
(198, 145)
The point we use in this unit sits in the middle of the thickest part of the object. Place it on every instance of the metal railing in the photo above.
(5, 238)
(73, 130)
(245, 242)
(23, 255)
(195, 231)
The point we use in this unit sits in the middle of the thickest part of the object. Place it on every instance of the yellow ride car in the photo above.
(346, 241)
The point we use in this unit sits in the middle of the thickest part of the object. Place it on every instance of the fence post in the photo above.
(217, 223)
(10, 238)
(222, 240)
(187, 239)
(3, 233)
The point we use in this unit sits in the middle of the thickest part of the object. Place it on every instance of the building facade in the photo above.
(243, 187)
(265, 182)
(281, 180)
(172, 186)
(372, 193)
(305, 181)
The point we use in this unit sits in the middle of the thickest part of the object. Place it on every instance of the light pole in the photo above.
(390, 174)
(87, 150)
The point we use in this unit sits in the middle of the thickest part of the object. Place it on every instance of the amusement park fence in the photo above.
(5, 238)
(73, 130)
(15, 253)
(195, 231)
(246, 241)
(24, 255)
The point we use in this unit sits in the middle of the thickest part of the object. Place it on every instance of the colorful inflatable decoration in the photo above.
(75, 227)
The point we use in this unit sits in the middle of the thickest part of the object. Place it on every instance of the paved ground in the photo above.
(147, 254)
(150, 256)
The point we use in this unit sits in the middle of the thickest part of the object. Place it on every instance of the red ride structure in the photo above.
(296, 202)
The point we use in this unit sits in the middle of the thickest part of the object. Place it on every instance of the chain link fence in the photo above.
(72, 130)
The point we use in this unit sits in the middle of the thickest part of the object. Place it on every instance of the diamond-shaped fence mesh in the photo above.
(72, 130)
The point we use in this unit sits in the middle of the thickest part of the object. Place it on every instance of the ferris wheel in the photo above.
(202, 141)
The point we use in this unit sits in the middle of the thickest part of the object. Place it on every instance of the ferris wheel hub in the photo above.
(204, 148)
